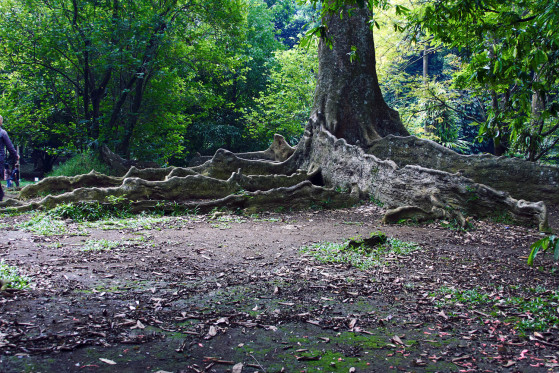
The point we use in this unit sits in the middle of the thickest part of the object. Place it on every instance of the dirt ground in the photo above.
(233, 293)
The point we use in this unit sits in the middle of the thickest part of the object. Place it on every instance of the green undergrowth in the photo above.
(44, 224)
(141, 221)
(81, 163)
(535, 310)
(100, 245)
(92, 211)
(12, 278)
(360, 256)
(47, 224)
(112, 208)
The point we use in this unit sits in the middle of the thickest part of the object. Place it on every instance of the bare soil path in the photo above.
(228, 293)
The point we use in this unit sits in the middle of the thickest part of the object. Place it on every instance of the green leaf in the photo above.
(533, 254)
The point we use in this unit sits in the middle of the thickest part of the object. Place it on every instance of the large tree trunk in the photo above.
(347, 97)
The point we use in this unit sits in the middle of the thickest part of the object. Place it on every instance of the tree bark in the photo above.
(348, 97)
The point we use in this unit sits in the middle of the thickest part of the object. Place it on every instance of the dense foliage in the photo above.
(510, 54)
(163, 81)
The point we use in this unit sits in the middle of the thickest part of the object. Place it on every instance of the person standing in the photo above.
(14, 176)
(7, 174)
(5, 143)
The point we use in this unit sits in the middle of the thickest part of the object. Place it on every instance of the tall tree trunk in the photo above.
(428, 128)
(500, 140)
(425, 63)
(537, 123)
(132, 117)
(347, 97)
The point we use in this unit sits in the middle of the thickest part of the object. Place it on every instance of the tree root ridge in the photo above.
(227, 180)
(58, 184)
(412, 191)
(301, 196)
(278, 151)
(522, 179)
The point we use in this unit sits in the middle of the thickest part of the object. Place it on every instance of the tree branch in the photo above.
(550, 131)
(36, 62)
(546, 149)
(452, 108)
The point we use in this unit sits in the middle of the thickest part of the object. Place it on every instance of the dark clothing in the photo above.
(14, 177)
(5, 142)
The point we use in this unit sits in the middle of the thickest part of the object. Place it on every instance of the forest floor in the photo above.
(234, 293)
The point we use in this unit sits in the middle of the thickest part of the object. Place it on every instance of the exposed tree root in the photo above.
(301, 196)
(420, 192)
(278, 151)
(227, 180)
(522, 179)
(61, 184)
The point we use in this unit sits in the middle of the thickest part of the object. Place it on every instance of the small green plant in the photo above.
(410, 221)
(141, 221)
(11, 278)
(375, 201)
(545, 244)
(543, 309)
(117, 207)
(179, 210)
(472, 193)
(99, 245)
(502, 217)
(361, 256)
(340, 189)
(539, 310)
(44, 224)
(241, 192)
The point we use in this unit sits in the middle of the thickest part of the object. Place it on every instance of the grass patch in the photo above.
(541, 311)
(44, 224)
(362, 256)
(11, 277)
(538, 311)
(137, 222)
(100, 245)
(502, 217)
(92, 211)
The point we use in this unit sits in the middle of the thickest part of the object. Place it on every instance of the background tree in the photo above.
(284, 106)
(510, 52)
(218, 122)
(110, 56)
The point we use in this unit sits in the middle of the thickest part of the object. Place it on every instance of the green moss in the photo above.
(367, 341)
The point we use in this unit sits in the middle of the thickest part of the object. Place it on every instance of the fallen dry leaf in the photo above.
(237, 368)
(107, 361)
(397, 340)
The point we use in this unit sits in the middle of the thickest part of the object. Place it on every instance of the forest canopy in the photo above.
(163, 81)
